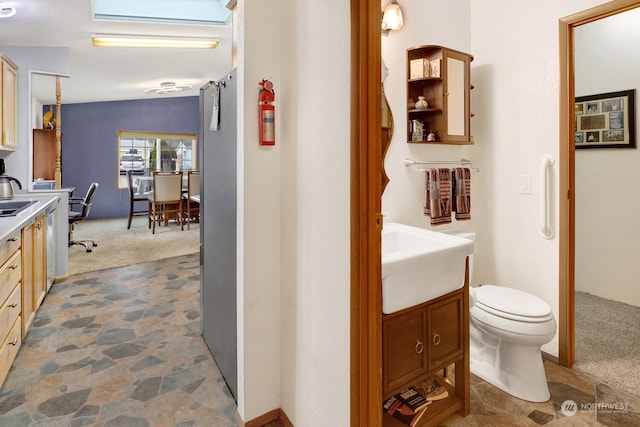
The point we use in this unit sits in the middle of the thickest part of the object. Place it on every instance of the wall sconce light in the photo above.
(392, 17)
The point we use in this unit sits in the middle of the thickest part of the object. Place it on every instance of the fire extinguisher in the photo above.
(266, 112)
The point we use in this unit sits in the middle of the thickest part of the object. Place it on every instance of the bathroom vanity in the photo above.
(424, 341)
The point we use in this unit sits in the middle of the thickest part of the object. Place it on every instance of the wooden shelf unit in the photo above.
(447, 94)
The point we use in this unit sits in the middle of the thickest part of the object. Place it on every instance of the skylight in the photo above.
(203, 12)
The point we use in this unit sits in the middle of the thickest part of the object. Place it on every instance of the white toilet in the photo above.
(508, 327)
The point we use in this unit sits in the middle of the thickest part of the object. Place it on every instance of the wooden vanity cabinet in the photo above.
(420, 342)
(9, 104)
(445, 85)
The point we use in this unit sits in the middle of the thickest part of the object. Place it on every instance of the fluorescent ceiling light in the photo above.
(122, 40)
(7, 11)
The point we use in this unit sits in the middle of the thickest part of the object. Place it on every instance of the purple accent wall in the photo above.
(90, 148)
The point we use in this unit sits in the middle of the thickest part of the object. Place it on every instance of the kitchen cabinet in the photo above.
(421, 342)
(34, 270)
(441, 77)
(8, 109)
(10, 301)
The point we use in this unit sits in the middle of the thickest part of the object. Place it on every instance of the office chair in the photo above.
(134, 197)
(77, 216)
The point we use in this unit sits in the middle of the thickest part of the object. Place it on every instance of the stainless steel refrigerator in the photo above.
(218, 220)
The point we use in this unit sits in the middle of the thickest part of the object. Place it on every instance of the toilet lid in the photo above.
(511, 301)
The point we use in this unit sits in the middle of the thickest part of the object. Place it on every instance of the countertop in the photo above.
(9, 224)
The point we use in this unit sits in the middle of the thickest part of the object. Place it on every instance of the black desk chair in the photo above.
(77, 216)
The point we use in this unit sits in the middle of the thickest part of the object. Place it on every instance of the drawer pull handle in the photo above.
(419, 347)
(12, 239)
(14, 342)
(436, 339)
(13, 267)
(14, 305)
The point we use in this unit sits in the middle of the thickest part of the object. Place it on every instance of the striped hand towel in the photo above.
(427, 193)
(462, 193)
(439, 195)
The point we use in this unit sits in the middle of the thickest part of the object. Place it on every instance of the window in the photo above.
(145, 152)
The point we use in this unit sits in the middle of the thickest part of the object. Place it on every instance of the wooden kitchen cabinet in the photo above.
(420, 342)
(442, 77)
(10, 301)
(8, 109)
(34, 274)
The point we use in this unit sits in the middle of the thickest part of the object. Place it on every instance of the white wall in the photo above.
(315, 110)
(516, 74)
(259, 210)
(607, 59)
(294, 276)
(425, 23)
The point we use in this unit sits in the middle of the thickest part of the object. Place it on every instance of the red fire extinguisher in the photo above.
(266, 112)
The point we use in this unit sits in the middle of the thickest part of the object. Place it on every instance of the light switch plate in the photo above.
(524, 184)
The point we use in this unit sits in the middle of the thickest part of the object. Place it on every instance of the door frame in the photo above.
(566, 327)
(366, 218)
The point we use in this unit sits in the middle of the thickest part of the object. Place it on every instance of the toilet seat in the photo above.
(512, 304)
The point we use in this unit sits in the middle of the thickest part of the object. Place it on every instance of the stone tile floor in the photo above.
(122, 348)
(116, 348)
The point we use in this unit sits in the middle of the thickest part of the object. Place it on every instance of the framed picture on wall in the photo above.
(606, 120)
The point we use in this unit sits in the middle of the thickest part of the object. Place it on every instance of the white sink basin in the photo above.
(419, 265)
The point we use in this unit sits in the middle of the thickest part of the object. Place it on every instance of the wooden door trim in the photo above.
(566, 328)
(366, 222)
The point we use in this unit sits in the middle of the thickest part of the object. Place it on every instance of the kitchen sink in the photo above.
(14, 207)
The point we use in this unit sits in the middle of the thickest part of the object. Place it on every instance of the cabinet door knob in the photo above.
(13, 267)
(436, 339)
(419, 347)
(13, 239)
(14, 305)
(14, 342)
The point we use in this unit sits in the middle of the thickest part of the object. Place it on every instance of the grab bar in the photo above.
(545, 170)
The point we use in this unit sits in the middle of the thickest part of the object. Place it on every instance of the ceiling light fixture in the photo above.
(392, 17)
(168, 87)
(7, 12)
(122, 40)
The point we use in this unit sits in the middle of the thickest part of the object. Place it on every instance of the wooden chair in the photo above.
(134, 197)
(192, 197)
(166, 200)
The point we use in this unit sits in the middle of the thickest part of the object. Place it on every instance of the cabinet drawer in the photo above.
(10, 348)
(10, 273)
(444, 331)
(404, 355)
(9, 312)
(9, 246)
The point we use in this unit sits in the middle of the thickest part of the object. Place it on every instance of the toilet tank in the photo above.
(467, 234)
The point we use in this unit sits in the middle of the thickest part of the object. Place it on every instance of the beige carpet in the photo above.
(118, 246)
(608, 341)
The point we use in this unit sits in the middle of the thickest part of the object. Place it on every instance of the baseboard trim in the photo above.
(550, 357)
(269, 417)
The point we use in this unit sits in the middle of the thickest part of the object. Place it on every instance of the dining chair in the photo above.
(166, 200)
(134, 197)
(192, 197)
